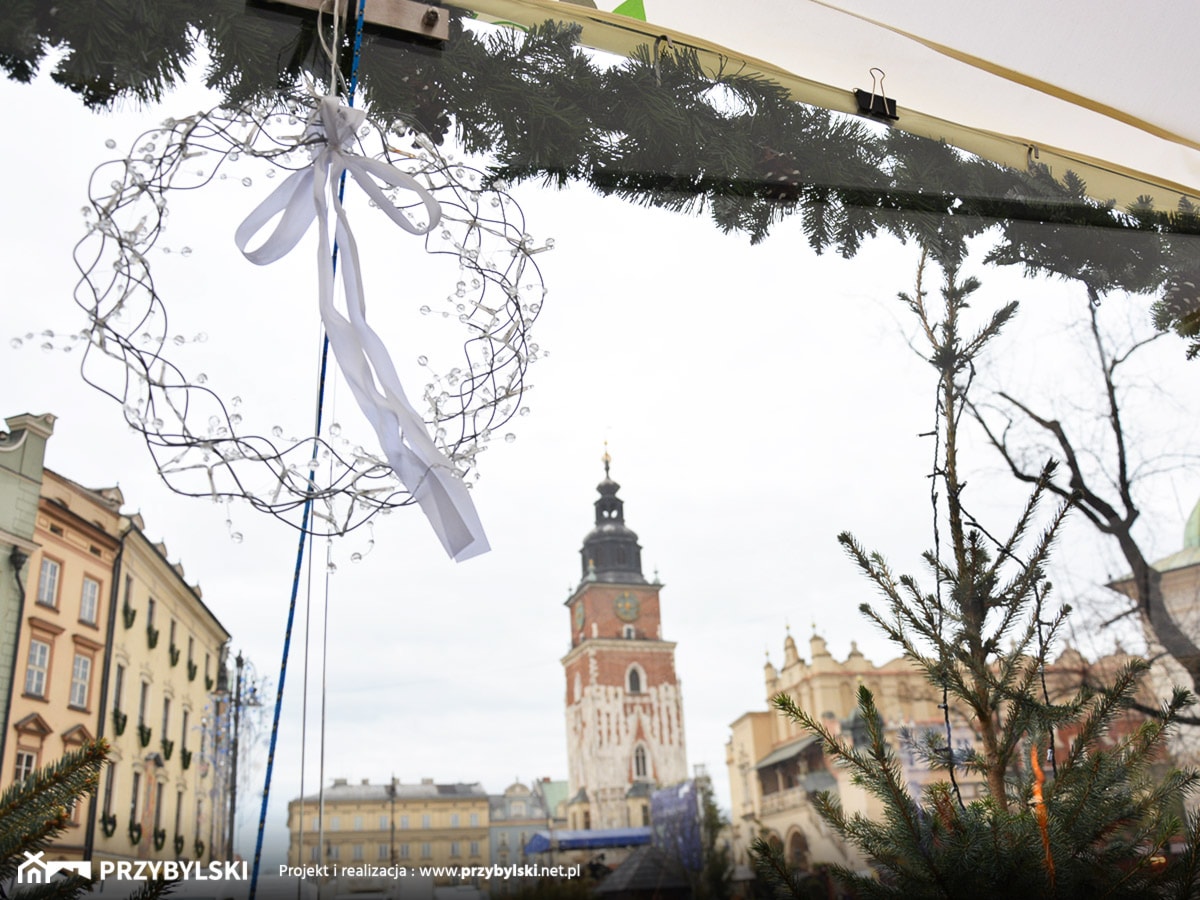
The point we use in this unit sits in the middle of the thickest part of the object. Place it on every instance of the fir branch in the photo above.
(35, 810)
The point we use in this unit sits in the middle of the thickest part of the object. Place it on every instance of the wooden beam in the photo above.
(408, 16)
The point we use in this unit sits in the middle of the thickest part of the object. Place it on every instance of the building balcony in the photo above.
(781, 801)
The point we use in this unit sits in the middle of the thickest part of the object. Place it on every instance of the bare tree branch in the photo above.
(1116, 517)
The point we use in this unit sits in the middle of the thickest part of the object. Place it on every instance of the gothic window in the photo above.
(639, 762)
(634, 680)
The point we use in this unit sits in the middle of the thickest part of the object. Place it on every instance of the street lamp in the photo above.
(246, 692)
(233, 786)
(392, 818)
(220, 698)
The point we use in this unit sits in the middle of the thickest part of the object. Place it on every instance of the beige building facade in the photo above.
(164, 796)
(363, 826)
(112, 642)
(775, 767)
(56, 700)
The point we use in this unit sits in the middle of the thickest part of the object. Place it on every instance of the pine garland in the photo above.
(659, 132)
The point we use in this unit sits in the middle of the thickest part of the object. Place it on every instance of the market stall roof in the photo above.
(588, 840)
(1084, 86)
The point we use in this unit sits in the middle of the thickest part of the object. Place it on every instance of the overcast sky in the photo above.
(756, 401)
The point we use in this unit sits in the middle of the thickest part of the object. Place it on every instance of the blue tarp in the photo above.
(588, 840)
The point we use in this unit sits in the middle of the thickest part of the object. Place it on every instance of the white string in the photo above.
(324, 671)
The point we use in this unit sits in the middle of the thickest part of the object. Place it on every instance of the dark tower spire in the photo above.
(610, 551)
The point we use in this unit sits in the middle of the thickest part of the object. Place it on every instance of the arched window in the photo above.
(635, 680)
(797, 851)
(639, 762)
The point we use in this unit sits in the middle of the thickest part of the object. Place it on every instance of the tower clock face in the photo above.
(628, 607)
(579, 614)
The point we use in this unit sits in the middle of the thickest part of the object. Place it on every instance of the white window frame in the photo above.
(89, 601)
(26, 764)
(48, 575)
(81, 680)
(37, 671)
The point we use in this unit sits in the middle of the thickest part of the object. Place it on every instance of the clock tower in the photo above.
(624, 705)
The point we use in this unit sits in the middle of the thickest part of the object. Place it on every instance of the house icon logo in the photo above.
(36, 869)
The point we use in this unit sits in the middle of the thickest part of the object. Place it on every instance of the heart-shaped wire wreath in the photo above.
(195, 436)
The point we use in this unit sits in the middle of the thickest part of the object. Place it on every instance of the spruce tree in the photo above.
(1093, 823)
(37, 809)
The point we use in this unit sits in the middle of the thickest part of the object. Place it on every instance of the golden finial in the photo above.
(606, 458)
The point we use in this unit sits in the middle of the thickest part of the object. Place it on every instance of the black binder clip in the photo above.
(875, 103)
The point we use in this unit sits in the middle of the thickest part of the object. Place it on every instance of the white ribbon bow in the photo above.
(306, 196)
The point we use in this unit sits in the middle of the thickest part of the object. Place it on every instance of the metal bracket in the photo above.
(403, 15)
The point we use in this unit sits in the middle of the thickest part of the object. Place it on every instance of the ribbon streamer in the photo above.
(307, 195)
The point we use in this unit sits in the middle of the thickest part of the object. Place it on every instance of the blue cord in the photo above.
(287, 637)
